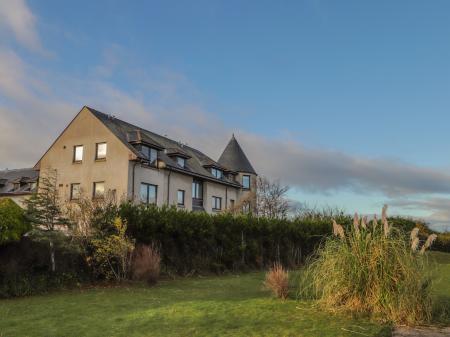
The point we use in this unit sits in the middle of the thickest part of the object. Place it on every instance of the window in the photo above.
(99, 189)
(78, 153)
(74, 191)
(216, 203)
(181, 161)
(180, 197)
(246, 181)
(100, 151)
(148, 193)
(197, 189)
(150, 153)
(217, 173)
(246, 207)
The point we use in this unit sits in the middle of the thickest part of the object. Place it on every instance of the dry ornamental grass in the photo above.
(374, 269)
(277, 280)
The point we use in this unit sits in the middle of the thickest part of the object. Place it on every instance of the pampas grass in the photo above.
(277, 280)
(370, 270)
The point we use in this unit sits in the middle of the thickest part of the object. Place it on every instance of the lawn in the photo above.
(213, 306)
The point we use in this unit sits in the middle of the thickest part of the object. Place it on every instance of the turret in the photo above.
(234, 158)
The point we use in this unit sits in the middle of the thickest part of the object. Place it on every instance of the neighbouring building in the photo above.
(18, 184)
(98, 154)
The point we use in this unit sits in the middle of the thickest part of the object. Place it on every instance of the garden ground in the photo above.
(233, 305)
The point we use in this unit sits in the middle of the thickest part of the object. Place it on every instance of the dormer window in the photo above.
(150, 153)
(217, 173)
(181, 161)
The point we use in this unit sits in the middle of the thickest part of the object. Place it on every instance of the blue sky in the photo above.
(365, 83)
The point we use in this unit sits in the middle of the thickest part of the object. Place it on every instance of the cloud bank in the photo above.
(36, 104)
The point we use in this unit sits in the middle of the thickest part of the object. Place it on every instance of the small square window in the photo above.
(246, 182)
(181, 162)
(180, 197)
(99, 189)
(148, 193)
(217, 173)
(216, 203)
(75, 191)
(78, 153)
(100, 152)
(150, 153)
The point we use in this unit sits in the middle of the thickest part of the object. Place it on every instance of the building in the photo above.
(18, 184)
(98, 153)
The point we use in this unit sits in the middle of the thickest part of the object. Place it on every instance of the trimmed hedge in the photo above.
(199, 242)
(25, 267)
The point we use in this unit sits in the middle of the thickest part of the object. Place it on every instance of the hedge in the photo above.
(199, 242)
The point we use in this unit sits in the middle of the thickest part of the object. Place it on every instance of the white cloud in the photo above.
(35, 105)
(17, 18)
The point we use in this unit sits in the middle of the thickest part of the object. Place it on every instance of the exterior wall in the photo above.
(248, 194)
(160, 178)
(178, 181)
(87, 130)
(211, 189)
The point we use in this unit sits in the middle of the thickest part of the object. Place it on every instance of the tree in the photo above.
(44, 212)
(271, 200)
(12, 221)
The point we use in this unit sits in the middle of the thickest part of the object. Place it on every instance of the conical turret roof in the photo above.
(234, 158)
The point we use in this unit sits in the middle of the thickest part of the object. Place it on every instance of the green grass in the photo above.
(212, 306)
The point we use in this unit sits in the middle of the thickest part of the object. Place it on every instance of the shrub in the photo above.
(146, 263)
(112, 253)
(12, 221)
(370, 268)
(277, 280)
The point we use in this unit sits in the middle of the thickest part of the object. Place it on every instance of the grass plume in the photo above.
(370, 270)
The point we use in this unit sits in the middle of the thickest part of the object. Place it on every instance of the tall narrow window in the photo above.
(246, 181)
(100, 151)
(180, 197)
(197, 189)
(216, 203)
(78, 153)
(74, 191)
(148, 193)
(99, 189)
(231, 204)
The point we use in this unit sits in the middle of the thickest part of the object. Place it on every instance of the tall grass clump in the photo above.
(277, 280)
(146, 263)
(371, 268)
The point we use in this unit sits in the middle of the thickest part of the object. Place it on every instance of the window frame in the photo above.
(74, 157)
(183, 160)
(94, 194)
(148, 155)
(217, 173)
(72, 185)
(183, 193)
(214, 203)
(147, 201)
(96, 151)
(249, 181)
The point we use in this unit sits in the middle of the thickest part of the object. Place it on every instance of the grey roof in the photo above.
(21, 177)
(234, 158)
(196, 164)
